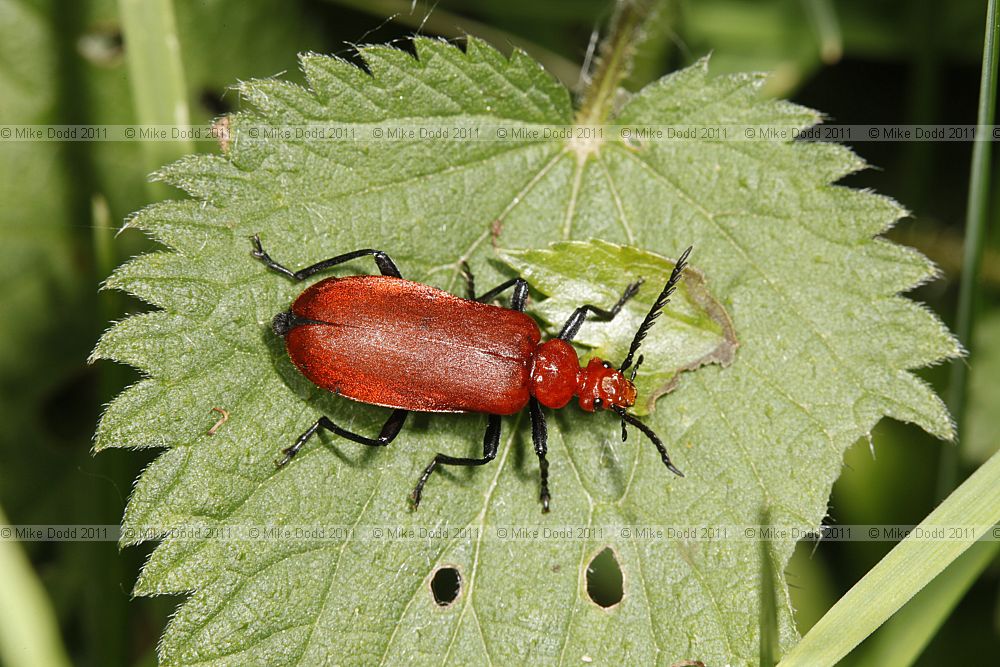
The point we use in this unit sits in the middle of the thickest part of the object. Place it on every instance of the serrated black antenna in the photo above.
(654, 312)
(635, 369)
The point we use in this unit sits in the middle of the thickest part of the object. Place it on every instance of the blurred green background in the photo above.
(858, 61)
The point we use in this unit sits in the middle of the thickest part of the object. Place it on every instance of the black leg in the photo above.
(576, 320)
(382, 260)
(540, 438)
(491, 442)
(655, 439)
(520, 295)
(517, 299)
(388, 433)
(470, 282)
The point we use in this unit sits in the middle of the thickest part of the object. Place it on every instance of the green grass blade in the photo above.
(28, 633)
(156, 74)
(905, 570)
(975, 229)
(905, 636)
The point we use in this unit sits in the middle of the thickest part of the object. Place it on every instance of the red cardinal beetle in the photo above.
(404, 345)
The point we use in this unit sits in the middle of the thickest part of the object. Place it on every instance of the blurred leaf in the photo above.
(47, 402)
(693, 330)
(872, 29)
(38, 269)
(825, 338)
(977, 223)
(793, 38)
(218, 46)
(434, 19)
(29, 636)
(774, 35)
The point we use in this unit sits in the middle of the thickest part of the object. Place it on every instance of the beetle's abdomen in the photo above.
(402, 344)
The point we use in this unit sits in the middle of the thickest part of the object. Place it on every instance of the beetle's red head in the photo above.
(601, 385)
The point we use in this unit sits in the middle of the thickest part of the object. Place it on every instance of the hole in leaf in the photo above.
(446, 584)
(605, 582)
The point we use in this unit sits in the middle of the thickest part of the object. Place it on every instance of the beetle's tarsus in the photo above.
(418, 490)
(576, 320)
(289, 454)
(260, 254)
(540, 440)
(258, 251)
(631, 290)
(491, 442)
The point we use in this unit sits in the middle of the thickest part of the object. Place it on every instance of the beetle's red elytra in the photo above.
(411, 347)
(401, 344)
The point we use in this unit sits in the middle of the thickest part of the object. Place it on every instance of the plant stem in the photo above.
(107, 616)
(156, 74)
(614, 61)
(975, 226)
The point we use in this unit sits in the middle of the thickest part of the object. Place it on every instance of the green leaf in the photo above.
(694, 329)
(825, 347)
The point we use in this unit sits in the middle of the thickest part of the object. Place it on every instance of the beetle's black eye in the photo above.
(598, 403)
(607, 365)
(282, 323)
